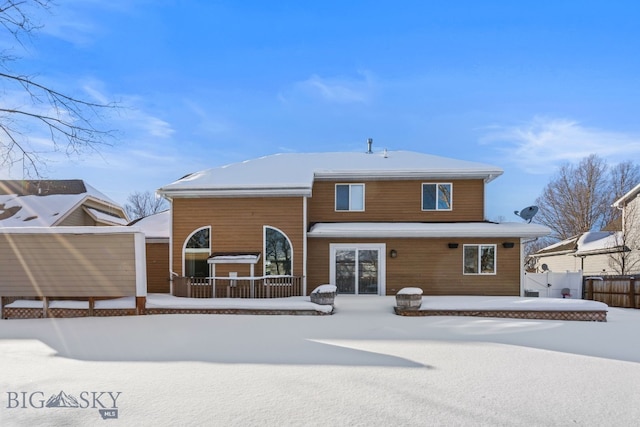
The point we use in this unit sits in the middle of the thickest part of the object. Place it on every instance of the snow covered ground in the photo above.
(361, 366)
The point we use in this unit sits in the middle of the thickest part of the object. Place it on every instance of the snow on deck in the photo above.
(501, 303)
(290, 303)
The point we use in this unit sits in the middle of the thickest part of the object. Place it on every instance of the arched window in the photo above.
(197, 248)
(278, 253)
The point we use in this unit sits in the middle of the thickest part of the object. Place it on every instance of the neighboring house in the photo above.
(589, 252)
(54, 203)
(630, 206)
(613, 251)
(156, 229)
(370, 223)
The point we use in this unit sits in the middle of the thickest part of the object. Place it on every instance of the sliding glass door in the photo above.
(358, 269)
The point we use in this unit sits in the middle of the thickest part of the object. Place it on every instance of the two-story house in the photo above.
(369, 223)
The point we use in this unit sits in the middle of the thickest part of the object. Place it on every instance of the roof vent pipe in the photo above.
(369, 144)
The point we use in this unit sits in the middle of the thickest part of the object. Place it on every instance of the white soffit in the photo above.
(427, 230)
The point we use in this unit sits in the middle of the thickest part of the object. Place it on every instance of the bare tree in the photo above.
(144, 204)
(579, 197)
(36, 109)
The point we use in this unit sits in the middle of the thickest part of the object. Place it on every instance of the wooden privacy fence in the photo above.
(241, 287)
(615, 291)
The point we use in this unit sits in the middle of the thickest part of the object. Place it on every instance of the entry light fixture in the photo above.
(393, 253)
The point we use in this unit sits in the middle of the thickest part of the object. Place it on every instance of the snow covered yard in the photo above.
(362, 366)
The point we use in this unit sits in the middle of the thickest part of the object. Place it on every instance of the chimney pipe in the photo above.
(369, 144)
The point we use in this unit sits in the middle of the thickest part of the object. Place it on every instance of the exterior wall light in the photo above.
(393, 253)
(452, 245)
(507, 244)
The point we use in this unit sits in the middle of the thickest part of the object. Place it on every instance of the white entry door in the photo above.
(358, 269)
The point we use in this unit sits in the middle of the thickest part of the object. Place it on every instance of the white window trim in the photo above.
(264, 247)
(479, 246)
(335, 197)
(184, 245)
(436, 208)
(382, 266)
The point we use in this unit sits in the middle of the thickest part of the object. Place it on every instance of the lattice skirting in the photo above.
(67, 312)
(589, 316)
(21, 313)
(109, 312)
(232, 311)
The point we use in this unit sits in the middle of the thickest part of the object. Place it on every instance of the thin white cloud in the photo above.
(75, 21)
(545, 143)
(342, 90)
(204, 122)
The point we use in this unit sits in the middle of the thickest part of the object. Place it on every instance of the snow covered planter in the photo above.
(409, 298)
(324, 295)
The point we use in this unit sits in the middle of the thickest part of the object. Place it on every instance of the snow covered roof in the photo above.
(589, 243)
(426, 230)
(234, 258)
(294, 173)
(30, 205)
(156, 226)
(100, 216)
(595, 242)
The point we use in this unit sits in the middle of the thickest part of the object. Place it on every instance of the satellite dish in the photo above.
(544, 267)
(527, 213)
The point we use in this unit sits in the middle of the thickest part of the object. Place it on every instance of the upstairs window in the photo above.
(350, 197)
(479, 259)
(436, 197)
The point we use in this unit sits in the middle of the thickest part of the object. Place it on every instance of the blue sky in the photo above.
(525, 86)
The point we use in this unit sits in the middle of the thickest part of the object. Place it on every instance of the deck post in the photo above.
(141, 303)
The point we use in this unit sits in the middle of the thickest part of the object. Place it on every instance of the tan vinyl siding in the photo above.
(77, 218)
(237, 226)
(428, 264)
(158, 268)
(67, 265)
(398, 201)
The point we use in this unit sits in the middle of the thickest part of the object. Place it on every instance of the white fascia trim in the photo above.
(86, 229)
(427, 230)
(622, 200)
(238, 192)
(487, 176)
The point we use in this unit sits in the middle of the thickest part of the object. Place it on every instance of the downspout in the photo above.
(522, 272)
(171, 272)
(304, 245)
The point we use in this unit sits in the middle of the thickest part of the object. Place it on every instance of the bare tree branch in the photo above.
(579, 198)
(67, 121)
(144, 204)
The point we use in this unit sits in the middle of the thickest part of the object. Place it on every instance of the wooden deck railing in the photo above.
(237, 287)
